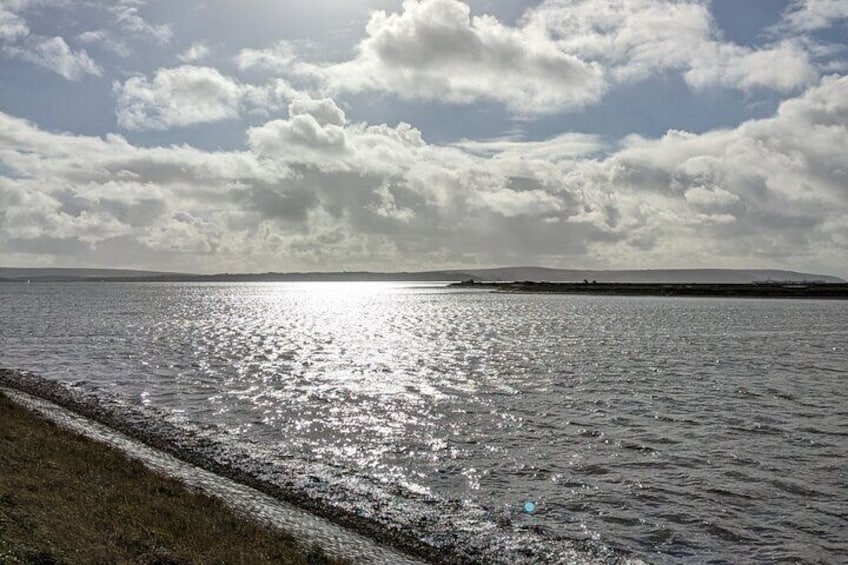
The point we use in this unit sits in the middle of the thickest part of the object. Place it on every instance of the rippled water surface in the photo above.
(673, 428)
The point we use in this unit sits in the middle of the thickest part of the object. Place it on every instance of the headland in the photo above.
(751, 290)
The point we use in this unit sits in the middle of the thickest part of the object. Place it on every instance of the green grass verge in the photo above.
(67, 499)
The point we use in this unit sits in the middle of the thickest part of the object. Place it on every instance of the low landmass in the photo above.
(68, 499)
(502, 274)
(679, 276)
(72, 274)
(741, 290)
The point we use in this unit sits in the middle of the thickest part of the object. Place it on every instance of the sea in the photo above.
(669, 430)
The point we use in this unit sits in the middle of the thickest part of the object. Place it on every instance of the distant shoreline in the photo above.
(645, 276)
(750, 290)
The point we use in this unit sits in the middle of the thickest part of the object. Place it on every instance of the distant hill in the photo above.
(63, 274)
(341, 276)
(71, 275)
(508, 274)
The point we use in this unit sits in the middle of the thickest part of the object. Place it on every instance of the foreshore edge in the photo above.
(198, 451)
(306, 529)
(84, 407)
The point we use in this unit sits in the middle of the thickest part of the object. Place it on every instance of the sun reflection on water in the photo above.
(598, 410)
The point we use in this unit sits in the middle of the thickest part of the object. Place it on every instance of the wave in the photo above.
(432, 528)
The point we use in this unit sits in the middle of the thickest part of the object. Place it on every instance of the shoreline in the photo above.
(420, 526)
(68, 497)
(192, 448)
(828, 291)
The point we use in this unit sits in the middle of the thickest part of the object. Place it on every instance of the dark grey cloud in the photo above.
(277, 201)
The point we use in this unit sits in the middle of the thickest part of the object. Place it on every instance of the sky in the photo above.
(212, 136)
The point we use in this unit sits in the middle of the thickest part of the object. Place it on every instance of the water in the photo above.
(673, 429)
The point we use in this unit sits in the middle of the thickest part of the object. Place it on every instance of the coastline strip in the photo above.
(829, 291)
(307, 528)
(424, 526)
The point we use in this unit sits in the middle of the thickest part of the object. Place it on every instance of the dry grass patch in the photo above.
(67, 499)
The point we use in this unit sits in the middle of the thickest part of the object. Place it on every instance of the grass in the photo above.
(67, 499)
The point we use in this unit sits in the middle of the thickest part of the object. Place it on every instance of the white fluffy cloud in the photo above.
(278, 58)
(54, 54)
(189, 95)
(51, 53)
(435, 50)
(782, 67)
(197, 51)
(177, 97)
(317, 191)
(102, 38)
(563, 54)
(12, 26)
(126, 26)
(638, 38)
(767, 187)
(811, 15)
(128, 19)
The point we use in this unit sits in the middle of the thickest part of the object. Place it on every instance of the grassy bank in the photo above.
(68, 499)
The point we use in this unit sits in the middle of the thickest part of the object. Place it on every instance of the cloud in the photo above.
(562, 55)
(189, 94)
(126, 26)
(560, 148)
(812, 15)
(776, 181)
(825, 105)
(782, 67)
(634, 40)
(435, 50)
(12, 26)
(104, 198)
(318, 191)
(103, 38)
(278, 58)
(195, 52)
(51, 53)
(710, 197)
(177, 97)
(314, 129)
(127, 18)
(324, 112)
(55, 55)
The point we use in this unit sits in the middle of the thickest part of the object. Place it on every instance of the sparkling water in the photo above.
(673, 429)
